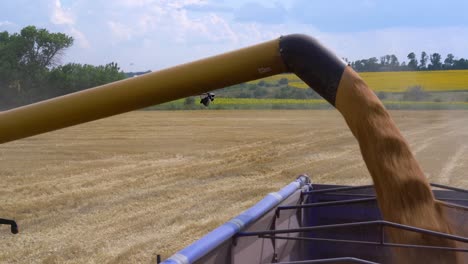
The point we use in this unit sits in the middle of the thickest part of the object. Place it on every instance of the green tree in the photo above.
(370, 64)
(394, 61)
(413, 62)
(28, 73)
(436, 63)
(42, 48)
(448, 62)
(460, 64)
(403, 66)
(423, 61)
(385, 60)
(73, 77)
(25, 60)
(11, 53)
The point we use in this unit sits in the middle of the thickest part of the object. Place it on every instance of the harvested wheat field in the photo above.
(123, 189)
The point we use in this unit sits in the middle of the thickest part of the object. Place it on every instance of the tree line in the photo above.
(431, 62)
(30, 70)
(267, 90)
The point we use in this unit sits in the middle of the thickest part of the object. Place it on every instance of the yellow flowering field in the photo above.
(455, 80)
(255, 101)
(272, 101)
(386, 102)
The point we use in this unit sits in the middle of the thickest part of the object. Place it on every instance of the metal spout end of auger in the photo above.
(316, 65)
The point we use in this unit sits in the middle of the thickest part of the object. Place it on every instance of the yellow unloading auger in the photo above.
(299, 54)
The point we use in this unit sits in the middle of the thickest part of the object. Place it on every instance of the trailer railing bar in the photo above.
(319, 204)
(355, 224)
(349, 188)
(455, 205)
(448, 187)
(346, 188)
(330, 260)
(452, 199)
(372, 195)
(299, 238)
(305, 229)
(370, 243)
(351, 194)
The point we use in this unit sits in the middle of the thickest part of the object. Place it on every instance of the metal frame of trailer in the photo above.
(318, 223)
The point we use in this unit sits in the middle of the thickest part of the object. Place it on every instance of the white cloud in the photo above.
(166, 3)
(184, 3)
(61, 16)
(399, 41)
(210, 27)
(81, 38)
(135, 3)
(119, 30)
(154, 34)
(225, 29)
(168, 20)
(147, 22)
(64, 16)
(83, 42)
(6, 23)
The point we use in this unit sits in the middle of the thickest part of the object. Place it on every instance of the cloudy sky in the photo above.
(154, 34)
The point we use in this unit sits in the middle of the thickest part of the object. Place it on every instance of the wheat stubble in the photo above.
(404, 195)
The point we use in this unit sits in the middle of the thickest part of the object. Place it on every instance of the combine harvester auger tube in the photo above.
(300, 54)
(301, 223)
